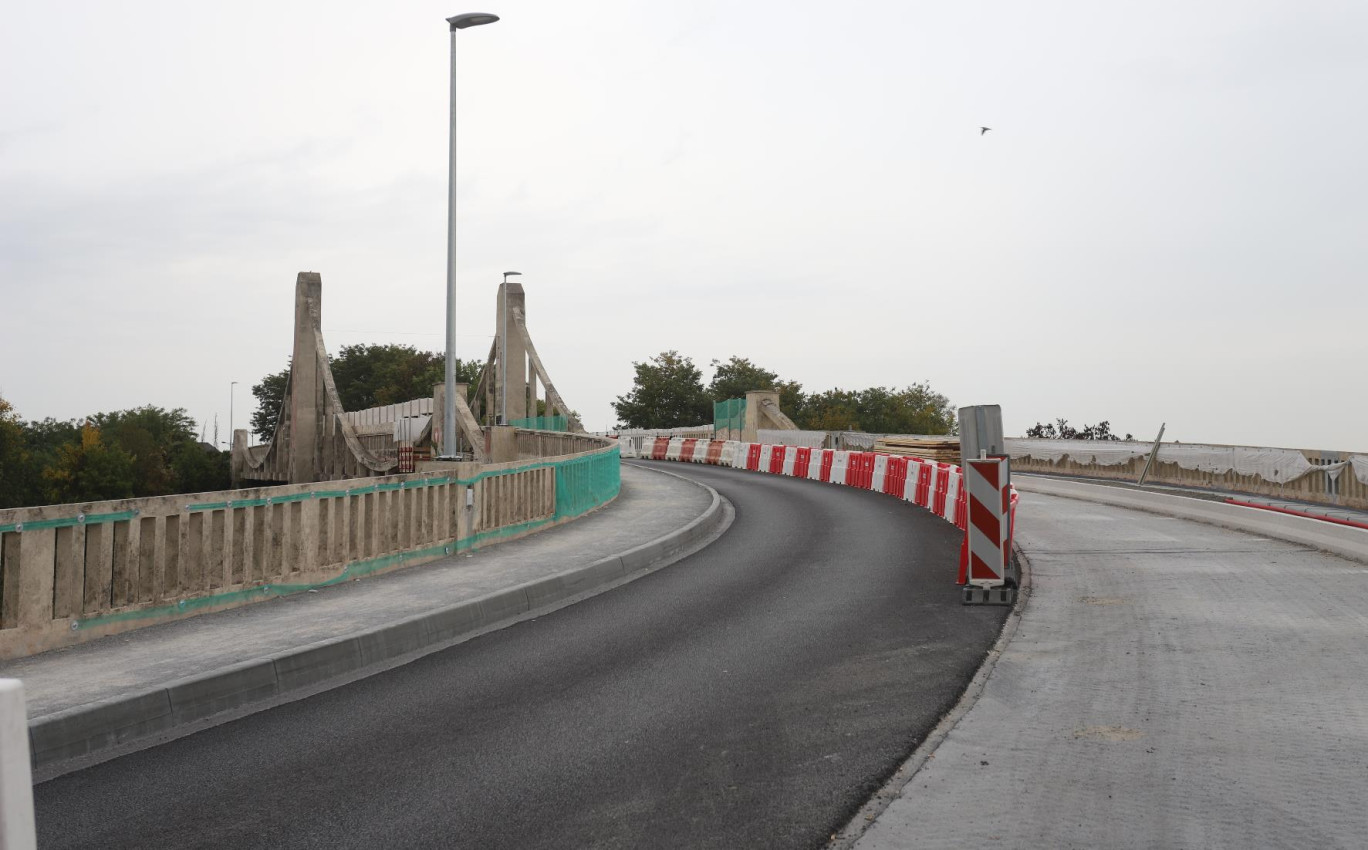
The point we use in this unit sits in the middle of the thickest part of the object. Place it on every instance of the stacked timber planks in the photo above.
(941, 450)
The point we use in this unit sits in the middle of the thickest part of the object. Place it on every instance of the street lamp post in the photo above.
(458, 22)
(231, 387)
(503, 355)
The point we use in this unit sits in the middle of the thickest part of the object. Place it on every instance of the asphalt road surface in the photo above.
(752, 695)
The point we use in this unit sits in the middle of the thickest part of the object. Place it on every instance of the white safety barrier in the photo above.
(936, 473)
(16, 779)
(880, 472)
(790, 457)
(840, 462)
(728, 454)
(820, 458)
(766, 455)
(672, 452)
(952, 493)
(742, 451)
(910, 486)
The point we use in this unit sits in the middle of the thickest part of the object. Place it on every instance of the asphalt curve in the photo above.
(752, 695)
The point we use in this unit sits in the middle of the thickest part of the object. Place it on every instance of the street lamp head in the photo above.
(507, 275)
(471, 19)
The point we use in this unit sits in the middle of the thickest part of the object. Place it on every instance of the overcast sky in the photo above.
(1166, 223)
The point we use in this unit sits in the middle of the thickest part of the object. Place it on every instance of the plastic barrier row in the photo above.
(937, 487)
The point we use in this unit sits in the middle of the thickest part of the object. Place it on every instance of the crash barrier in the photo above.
(70, 573)
(938, 487)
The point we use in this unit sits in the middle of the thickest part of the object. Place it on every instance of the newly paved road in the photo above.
(752, 695)
(1170, 684)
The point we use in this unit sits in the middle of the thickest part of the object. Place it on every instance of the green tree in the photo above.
(1060, 429)
(373, 375)
(667, 392)
(200, 468)
(832, 410)
(366, 376)
(44, 440)
(738, 376)
(153, 437)
(90, 471)
(916, 409)
(14, 458)
(270, 396)
(145, 451)
(47, 437)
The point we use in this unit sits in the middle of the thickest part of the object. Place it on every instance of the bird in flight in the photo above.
(983, 130)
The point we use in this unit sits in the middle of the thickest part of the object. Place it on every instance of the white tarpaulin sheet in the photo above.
(810, 439)
(1274, 465)
(1096, 452)
(409, 428)
(857, 440)
(1277, 465)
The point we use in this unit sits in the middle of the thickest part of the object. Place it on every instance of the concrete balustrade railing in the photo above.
(70, 573)
(546, 443)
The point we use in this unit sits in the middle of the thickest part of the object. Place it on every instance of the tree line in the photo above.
(144, 451)
(1060, 429)
(668, 392)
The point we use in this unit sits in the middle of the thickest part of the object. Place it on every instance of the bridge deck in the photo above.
(89, 676)
(1171, 684)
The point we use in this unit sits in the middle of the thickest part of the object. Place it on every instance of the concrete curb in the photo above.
(107, 728)
(1343, 540)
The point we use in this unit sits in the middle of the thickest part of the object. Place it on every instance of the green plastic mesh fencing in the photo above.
(729, 415)
(544, 423)
(585, 483)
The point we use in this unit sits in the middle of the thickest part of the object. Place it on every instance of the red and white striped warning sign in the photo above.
(988, 522)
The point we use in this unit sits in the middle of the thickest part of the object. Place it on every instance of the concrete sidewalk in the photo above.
(1169, 684)
(97, 700)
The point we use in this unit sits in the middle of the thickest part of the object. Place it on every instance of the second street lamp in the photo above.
(458, 22)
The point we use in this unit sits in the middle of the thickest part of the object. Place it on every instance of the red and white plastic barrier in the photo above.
(840, 466)
(985, 557)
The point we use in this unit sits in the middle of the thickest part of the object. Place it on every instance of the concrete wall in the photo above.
(71, 573)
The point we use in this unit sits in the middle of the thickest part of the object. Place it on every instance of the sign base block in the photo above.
(973, 595)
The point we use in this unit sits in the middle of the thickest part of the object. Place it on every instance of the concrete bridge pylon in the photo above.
(517, 367)
(313, 440)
